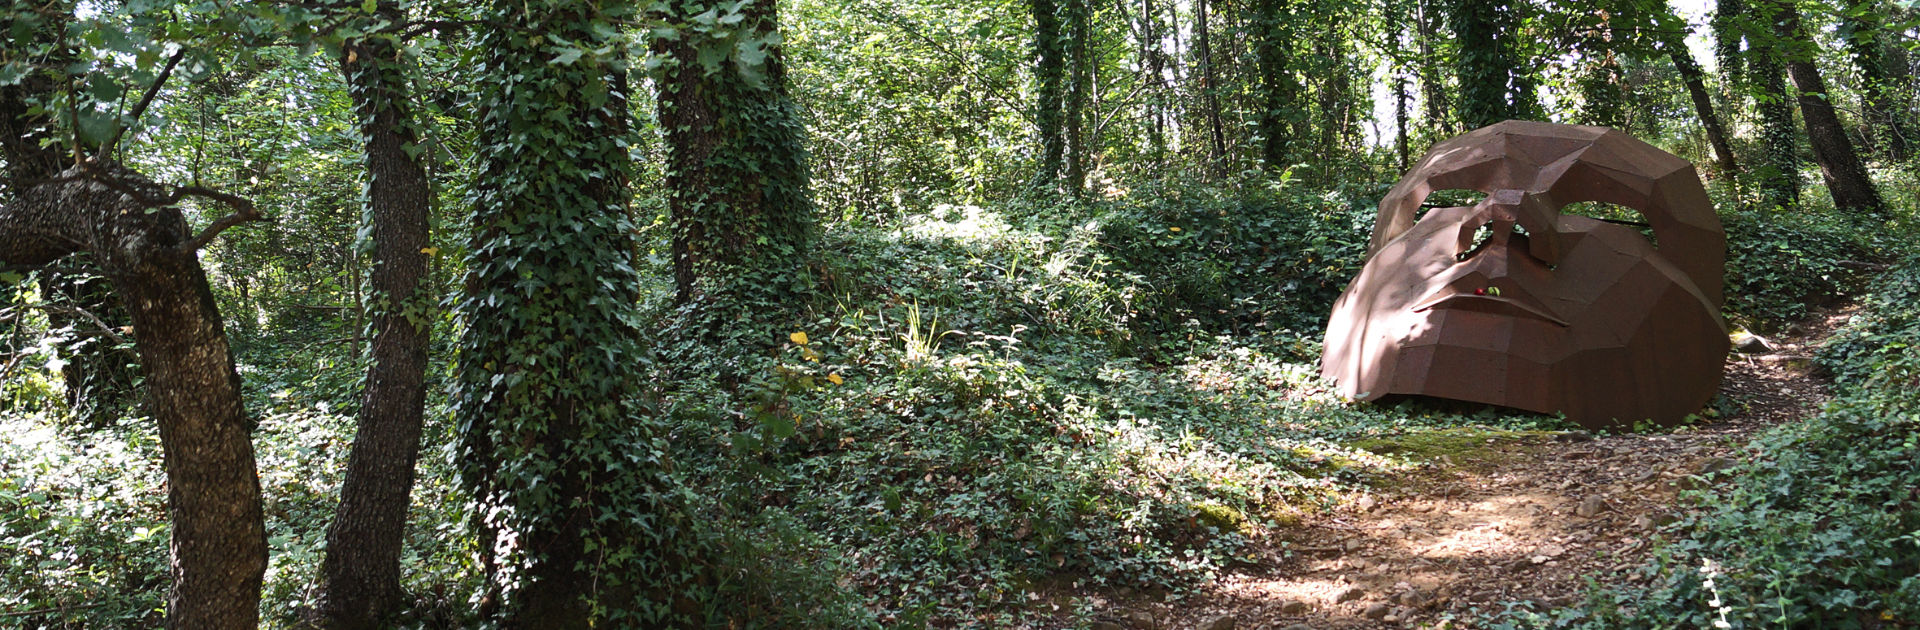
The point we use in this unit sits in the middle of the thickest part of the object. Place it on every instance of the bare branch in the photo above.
(140, 108)
(243, 212)
(95, 319)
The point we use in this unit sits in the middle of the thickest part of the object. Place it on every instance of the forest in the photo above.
(915, 314)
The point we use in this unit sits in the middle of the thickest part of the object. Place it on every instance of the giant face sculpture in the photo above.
(1512, 302)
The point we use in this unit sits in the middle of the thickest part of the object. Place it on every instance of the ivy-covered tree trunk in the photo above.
(361, 571)
(1729, 33)
(1779, 168)
(142, 245)
(737, 188)
(1885, 123)
(577, 521)
(1493, 86)
(1840, 165)
(1079, 92)
(1278, 89)
(1050, 78)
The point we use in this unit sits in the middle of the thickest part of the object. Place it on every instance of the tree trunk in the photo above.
(1217, 150)
(1277, 88)
(1840, 165)
(737, 184)
(1885, 121)
(578, 524)
(1079, 92)
(1695, 80)
(1050, 72)
(213, 490)
(362, 565)
(1779, 172)
(1433, 90)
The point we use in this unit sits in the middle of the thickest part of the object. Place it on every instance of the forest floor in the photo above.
(1513, 517)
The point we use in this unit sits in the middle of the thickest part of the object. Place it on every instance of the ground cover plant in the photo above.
(811, 313)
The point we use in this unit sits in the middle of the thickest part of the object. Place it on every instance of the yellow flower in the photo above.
(799, 338)
(835, 378)
(1174, 229)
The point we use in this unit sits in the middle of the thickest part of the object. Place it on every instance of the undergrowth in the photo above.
(1821, 527)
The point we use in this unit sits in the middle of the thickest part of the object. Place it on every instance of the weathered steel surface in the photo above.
(1564, 314)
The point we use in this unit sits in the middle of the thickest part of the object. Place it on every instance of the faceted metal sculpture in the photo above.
(1511, 302)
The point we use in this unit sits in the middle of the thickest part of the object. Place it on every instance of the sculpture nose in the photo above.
(1503, 210)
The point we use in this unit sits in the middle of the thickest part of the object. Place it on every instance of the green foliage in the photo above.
(1780, 265)
(1029, 427)
(1821, 528)
(564, 466)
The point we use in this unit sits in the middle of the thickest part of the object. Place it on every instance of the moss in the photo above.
(1221, 517)
(1461, 444)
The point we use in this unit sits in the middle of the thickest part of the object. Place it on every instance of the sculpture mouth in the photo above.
(1497, 304)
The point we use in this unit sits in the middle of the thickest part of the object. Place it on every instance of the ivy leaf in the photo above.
(568, 56)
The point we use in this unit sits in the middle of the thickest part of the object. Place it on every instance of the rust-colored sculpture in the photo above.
(1551, 312)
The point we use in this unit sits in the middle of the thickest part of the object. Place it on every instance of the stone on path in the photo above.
(1223, 622)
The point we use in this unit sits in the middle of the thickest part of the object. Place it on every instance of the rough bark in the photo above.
(213, 490)
(361, 571)
(1840, 165)
(1695, 80)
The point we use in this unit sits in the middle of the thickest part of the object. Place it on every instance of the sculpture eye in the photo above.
(1449, 198)
(1615, 214)
(1481, 237)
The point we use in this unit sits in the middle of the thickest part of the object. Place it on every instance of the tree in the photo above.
(1278, 89)
(1695, 81)
(1050, 78)
(737, 187)
(135, 233)
(1862, 28)
(578, 523)
(1493, 85)
(1847, 180)
(361, 571)
(1079, 92)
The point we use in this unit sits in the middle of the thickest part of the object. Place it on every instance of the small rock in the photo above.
(1348, 594)
(1592, 506)
(1294, 607)
(1354, 544)
(1551, 551)
(1576, 455)
(1366, 504)
(1665, 519)
(1411, 598)
(1141, 620)
(1713, 465)
(1573, 437)
(1375, 610)
(1749, 343)
(1643, 523)
(1222, 622)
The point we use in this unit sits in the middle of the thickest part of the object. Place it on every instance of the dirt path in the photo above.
(1518, 520)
